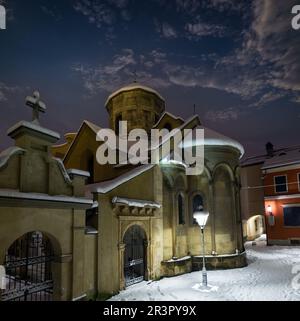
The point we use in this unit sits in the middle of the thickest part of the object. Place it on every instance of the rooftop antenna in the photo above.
(194, 109)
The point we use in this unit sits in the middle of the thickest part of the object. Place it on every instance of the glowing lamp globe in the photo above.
(201, 218)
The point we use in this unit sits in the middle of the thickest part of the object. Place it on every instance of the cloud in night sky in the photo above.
(104, 12)
(199, 29)
(236, 58)
(228, 114)
(267, 57)
(165, 30)
(6, 90)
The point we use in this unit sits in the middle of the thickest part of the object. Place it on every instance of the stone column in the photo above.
(149, 259)
(174, 223)
(121, 247)
(212, 214)
(239, 225)
(61, 274)
(234, 217)
(78, 253)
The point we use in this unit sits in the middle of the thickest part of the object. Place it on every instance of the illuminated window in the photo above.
(197, 205)
(280, 184)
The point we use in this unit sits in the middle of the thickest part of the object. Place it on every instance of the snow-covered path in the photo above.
(268, 276)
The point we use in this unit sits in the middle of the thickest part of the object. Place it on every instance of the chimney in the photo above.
(270, 149)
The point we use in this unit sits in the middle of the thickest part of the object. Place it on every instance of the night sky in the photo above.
(238, 61)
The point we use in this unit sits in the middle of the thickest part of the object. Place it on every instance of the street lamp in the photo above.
(201, 218)
(271, 218)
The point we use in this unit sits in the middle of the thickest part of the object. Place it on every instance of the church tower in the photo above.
(139, 105)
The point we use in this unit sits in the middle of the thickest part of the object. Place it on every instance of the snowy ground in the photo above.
(273, 274)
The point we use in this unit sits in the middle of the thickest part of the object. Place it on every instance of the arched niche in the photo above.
(224, 209)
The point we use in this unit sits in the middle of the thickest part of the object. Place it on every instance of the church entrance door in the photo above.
(28, 269)
(135, 255)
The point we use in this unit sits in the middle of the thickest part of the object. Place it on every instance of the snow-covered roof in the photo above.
(8, 153)
(166, 113)
(287, 157)
(34, 127)
(281, 156)
(93, 126)
(106, 186)
(254, 160)
(132, 87)
(213, 138)
(15, 194)
(135, 202)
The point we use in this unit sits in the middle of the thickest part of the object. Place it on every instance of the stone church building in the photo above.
(89, 229)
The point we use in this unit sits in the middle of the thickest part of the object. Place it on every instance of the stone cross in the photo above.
(134, 74)
(37, 106)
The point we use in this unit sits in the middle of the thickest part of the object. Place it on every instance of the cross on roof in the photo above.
(37, 106)
(134, 74)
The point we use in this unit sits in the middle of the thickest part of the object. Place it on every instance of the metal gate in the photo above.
(135, 255)
(28, 269)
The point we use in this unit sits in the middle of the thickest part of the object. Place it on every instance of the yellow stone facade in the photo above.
(97, 221)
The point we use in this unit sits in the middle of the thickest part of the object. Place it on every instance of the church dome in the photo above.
(139, 105)
(133, 86)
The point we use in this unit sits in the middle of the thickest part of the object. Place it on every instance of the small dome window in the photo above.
(168, 126)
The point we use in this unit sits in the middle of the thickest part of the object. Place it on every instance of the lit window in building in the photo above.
(280, 184)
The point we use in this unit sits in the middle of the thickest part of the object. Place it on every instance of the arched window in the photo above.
(197, 205)
(168, 127)
(90, 168)
(118, 119)
(181, 219)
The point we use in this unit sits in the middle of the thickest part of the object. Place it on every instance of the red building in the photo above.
(281, 177)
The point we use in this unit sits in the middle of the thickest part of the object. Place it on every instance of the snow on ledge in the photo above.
(221, 255)
(78, 172)
(135, 202)
(107, 186)
(185, 258)
(33, 127)
(91, 230)
(15, 194)
(8, 153)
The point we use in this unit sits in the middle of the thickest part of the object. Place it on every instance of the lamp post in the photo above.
(201, 218)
